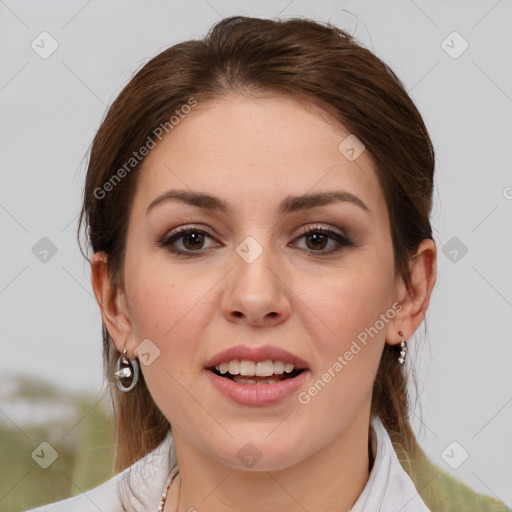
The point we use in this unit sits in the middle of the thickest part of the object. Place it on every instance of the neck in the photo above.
(330, 480)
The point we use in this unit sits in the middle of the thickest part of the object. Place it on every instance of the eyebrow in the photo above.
(289, 205)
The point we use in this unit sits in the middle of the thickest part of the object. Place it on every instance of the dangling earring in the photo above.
(126, 372)
(403, 348)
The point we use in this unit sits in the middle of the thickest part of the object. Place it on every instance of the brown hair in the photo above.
(308, 60)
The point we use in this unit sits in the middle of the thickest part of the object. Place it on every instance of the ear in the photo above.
(113, 305)
(414, 299)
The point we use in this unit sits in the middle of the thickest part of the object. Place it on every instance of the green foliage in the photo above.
(440, 491)
(79, 429)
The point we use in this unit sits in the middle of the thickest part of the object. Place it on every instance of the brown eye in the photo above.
(186, 241)
(318, 238)
(193, 240)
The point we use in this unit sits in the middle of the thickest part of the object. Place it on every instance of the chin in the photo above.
(259, 453)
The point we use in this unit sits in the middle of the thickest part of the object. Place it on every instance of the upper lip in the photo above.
(262, 353)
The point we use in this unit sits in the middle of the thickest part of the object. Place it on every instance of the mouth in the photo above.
(254, 373)
(257, 376)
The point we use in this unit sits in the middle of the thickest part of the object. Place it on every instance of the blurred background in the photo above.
(62, 64)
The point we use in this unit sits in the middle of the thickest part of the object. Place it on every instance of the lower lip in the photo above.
(253, 394)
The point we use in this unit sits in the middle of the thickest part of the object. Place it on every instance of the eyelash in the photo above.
(182, 231)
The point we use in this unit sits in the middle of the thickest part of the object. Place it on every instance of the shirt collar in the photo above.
(389, 488)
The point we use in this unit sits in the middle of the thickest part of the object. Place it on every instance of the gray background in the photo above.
(50, 109)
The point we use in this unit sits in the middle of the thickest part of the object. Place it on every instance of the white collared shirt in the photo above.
(388, 489)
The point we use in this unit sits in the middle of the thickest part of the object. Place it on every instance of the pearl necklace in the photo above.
(168, 483)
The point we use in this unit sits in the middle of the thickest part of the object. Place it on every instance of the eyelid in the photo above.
(185, 229)
(304, 230)
(340, 238)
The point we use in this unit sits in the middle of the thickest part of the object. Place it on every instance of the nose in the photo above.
(256, 291)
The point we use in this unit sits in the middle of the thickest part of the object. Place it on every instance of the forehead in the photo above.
(253, 151)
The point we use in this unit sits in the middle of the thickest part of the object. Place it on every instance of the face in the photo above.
(312, 278)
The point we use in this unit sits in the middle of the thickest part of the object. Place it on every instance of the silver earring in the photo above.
(403, 348)
(126, 372)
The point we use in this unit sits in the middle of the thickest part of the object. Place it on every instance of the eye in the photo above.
(192, 239)
(189, 240)
(317, 239)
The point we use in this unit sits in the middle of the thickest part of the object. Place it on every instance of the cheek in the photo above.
(357, 295)
(162, 307)
(172, 310)
(355, 305)
(158, 297)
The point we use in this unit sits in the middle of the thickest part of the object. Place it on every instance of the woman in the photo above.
(258, 208)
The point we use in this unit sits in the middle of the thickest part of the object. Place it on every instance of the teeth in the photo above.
(234, 367)
(265, 368)
(278, 367)
(247, 368)
(251, 382)
(250, 368)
